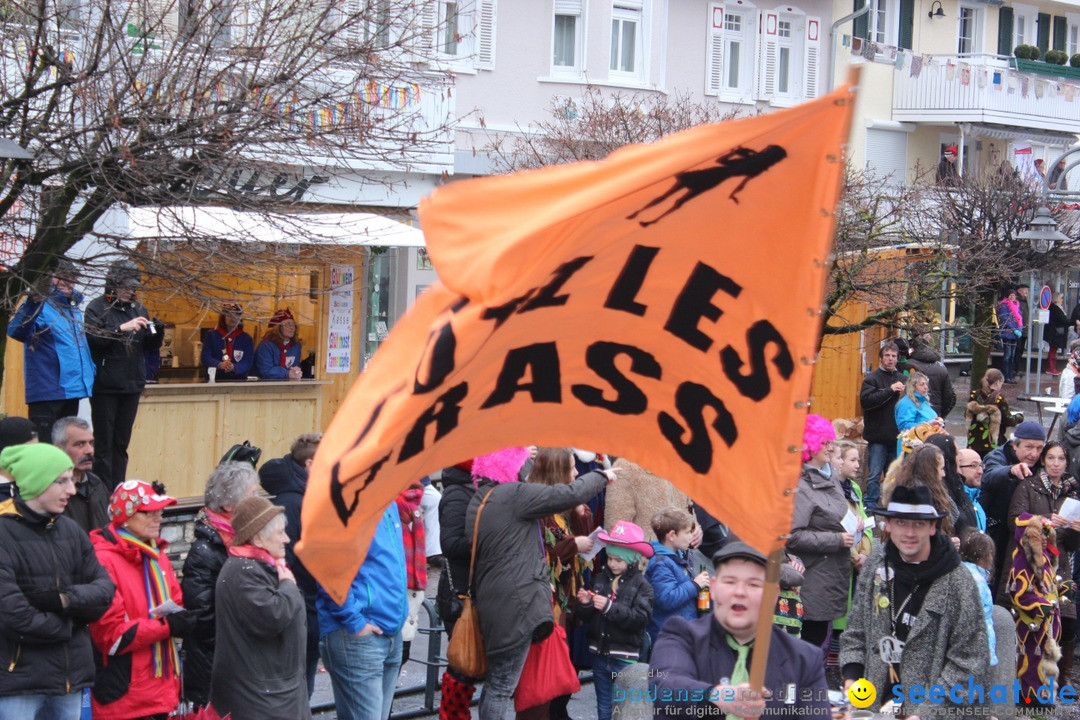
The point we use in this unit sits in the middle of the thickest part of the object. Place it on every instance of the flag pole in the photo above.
(765, 620)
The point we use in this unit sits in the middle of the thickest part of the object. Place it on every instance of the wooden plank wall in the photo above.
(275, 285)
(838, 371)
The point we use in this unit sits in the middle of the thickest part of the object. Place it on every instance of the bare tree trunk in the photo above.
(982, 330)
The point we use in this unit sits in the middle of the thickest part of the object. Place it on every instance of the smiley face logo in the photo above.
(862, 693)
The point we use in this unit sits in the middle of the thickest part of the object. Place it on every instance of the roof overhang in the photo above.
(189, 222)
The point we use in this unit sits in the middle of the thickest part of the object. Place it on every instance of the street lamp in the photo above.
(1042, 231)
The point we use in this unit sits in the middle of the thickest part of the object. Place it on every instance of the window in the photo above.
(790, 56)
(886, 155)
(880, 24)
(1072, 39)
(450, 27)
(463, 32)
(209, 21)
(729, 66)
(1024, 25)
(783, 69)
(969, 31)
(568, 38)
(627, 51)
(377, 23)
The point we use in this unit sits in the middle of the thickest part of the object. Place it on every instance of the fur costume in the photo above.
(1033, 590)
(984, 414)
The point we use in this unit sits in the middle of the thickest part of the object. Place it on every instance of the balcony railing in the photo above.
(984, 89)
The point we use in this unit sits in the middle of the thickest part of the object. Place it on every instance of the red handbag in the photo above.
(548, 672)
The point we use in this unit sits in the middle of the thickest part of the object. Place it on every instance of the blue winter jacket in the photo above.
(980, 514)
(378, 593)
(982, 581)
(243, 355)
(268, 360)
(674, 590)
(908, 415)
(56, 358)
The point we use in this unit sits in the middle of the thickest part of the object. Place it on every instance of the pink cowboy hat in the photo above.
(628, 535)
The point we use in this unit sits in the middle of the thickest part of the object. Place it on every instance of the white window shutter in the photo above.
(812, 65)
(485, 34)
(714, 62)
(568, 7)
(770, 54)
(427, 32)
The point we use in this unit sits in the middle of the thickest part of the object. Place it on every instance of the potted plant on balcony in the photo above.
(1026, 59)
(1057, 57)
(1026, 52)
(1074, 61)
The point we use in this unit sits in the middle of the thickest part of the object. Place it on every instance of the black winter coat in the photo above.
(119, 356)
(927, 360)
(89, 506)
(1056, 332)
(261, 633)
(879, 406)
(620, 631)
(456, 543)
(47, 653)
(286, 481)
(201, 569)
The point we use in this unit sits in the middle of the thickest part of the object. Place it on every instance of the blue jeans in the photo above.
(878, 458)
(604, 669)
(363, 672)
(1008, 360)
(504, 671)
(42, 707)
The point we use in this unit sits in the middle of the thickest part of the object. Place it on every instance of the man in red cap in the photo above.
(946, 169)
(278, 355)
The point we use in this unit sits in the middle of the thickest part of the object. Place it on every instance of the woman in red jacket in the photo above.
(138, 670)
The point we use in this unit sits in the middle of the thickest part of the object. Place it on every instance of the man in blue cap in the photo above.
(1003, 469)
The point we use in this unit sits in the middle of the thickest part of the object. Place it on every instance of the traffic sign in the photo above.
(1044, 298)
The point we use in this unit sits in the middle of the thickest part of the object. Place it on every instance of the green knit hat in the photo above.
(34, 467)
(623, 553)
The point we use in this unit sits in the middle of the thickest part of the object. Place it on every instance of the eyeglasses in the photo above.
(971, 465)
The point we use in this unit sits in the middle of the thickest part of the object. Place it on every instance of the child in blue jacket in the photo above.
(675, 586)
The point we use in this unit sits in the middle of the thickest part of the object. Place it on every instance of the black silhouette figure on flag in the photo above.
(740, 162)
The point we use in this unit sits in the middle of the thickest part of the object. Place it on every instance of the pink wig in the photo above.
(501, 466)
(818, 432)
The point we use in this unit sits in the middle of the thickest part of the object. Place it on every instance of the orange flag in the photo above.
(660, 305)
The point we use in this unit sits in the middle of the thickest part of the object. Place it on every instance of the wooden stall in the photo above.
(186, 424)
(843, 360)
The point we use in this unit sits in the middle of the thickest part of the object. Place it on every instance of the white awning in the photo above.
(220, 223)
(1052, 138)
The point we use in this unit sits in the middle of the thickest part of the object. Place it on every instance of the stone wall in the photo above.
(178, 527)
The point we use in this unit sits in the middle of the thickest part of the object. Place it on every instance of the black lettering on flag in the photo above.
(691, 399)
(631, 278)
(440, 355)
(444, 412)
(740, 162)
(544, 296)
(755, 385)
(695, 302)
(629, 399)
(541, 360)
(337, 488)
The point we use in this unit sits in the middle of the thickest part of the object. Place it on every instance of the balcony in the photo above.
(985, 90)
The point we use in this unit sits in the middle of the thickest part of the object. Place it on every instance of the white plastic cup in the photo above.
(211, 373)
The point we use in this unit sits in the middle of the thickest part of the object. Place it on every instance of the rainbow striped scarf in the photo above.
(157, 592)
